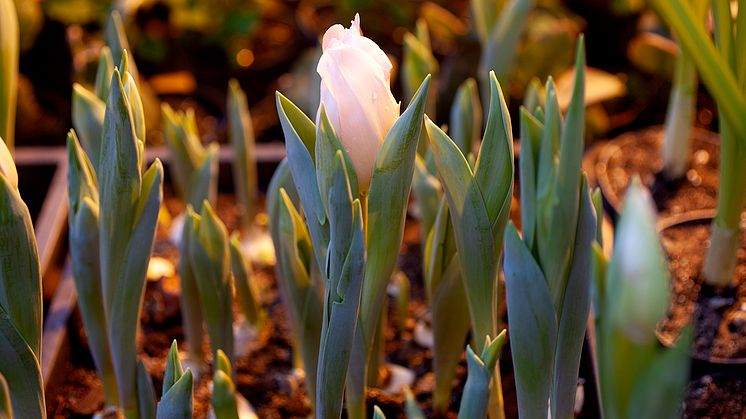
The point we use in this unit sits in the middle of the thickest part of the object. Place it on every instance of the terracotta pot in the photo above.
(613, 164)
(718, 315)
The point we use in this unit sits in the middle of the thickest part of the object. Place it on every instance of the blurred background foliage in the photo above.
(187, 50)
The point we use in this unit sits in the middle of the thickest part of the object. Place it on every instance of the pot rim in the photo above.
(610, 147)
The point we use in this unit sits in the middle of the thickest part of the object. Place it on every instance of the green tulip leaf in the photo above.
(191, 307)
(477, 388)
(388, 197)
(242, 277)
(88, 119)
(224, 396)
(344, 277)
(178, 401)
(21, 370)
(20, 281)
(145, 392)
(449, 306)
(300, 140)
(210, 260)
(241, 134)
(466, 117)
(103, 74)
(533, 326)
(573, 318)
(327, 146)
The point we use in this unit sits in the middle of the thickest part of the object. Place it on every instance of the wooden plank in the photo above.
(55, 334)
(52, 222)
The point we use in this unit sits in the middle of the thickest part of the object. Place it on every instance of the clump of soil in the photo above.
(639, 153)
(718, 315)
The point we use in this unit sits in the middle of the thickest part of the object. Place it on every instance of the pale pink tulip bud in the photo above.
(356, 92)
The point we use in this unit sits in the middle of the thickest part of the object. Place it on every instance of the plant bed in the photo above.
(266, 374)
(638, 153)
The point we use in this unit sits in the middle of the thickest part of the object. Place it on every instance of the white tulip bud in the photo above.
(356, 92)
(639, 267)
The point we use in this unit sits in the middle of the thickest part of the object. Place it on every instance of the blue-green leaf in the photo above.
(300, 141)
(21, 369)
(88, 120)
(472, 227)
(573, 318)
(533, 326)
(477, 388)
(531, 129)
(388, 197)
(466, 117)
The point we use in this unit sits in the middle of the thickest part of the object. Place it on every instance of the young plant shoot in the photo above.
(242, 281)
(177, 400)
(193, 168)
(418, 62)
(209, 256)
(129, 203)
(547, 270)
(476, 397)
(298, 276)
(83, 234)
(499, 30)
(359, 141)
(638, 377)
(448, 304)
(479, 200)
(241, 134)
(224, 403)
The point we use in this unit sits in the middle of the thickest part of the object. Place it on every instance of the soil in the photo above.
(638, 153)
(718, 316)
(716, 396)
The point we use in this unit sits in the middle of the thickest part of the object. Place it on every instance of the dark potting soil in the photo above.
(639, 153)
(713, 396)
(718, 316)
